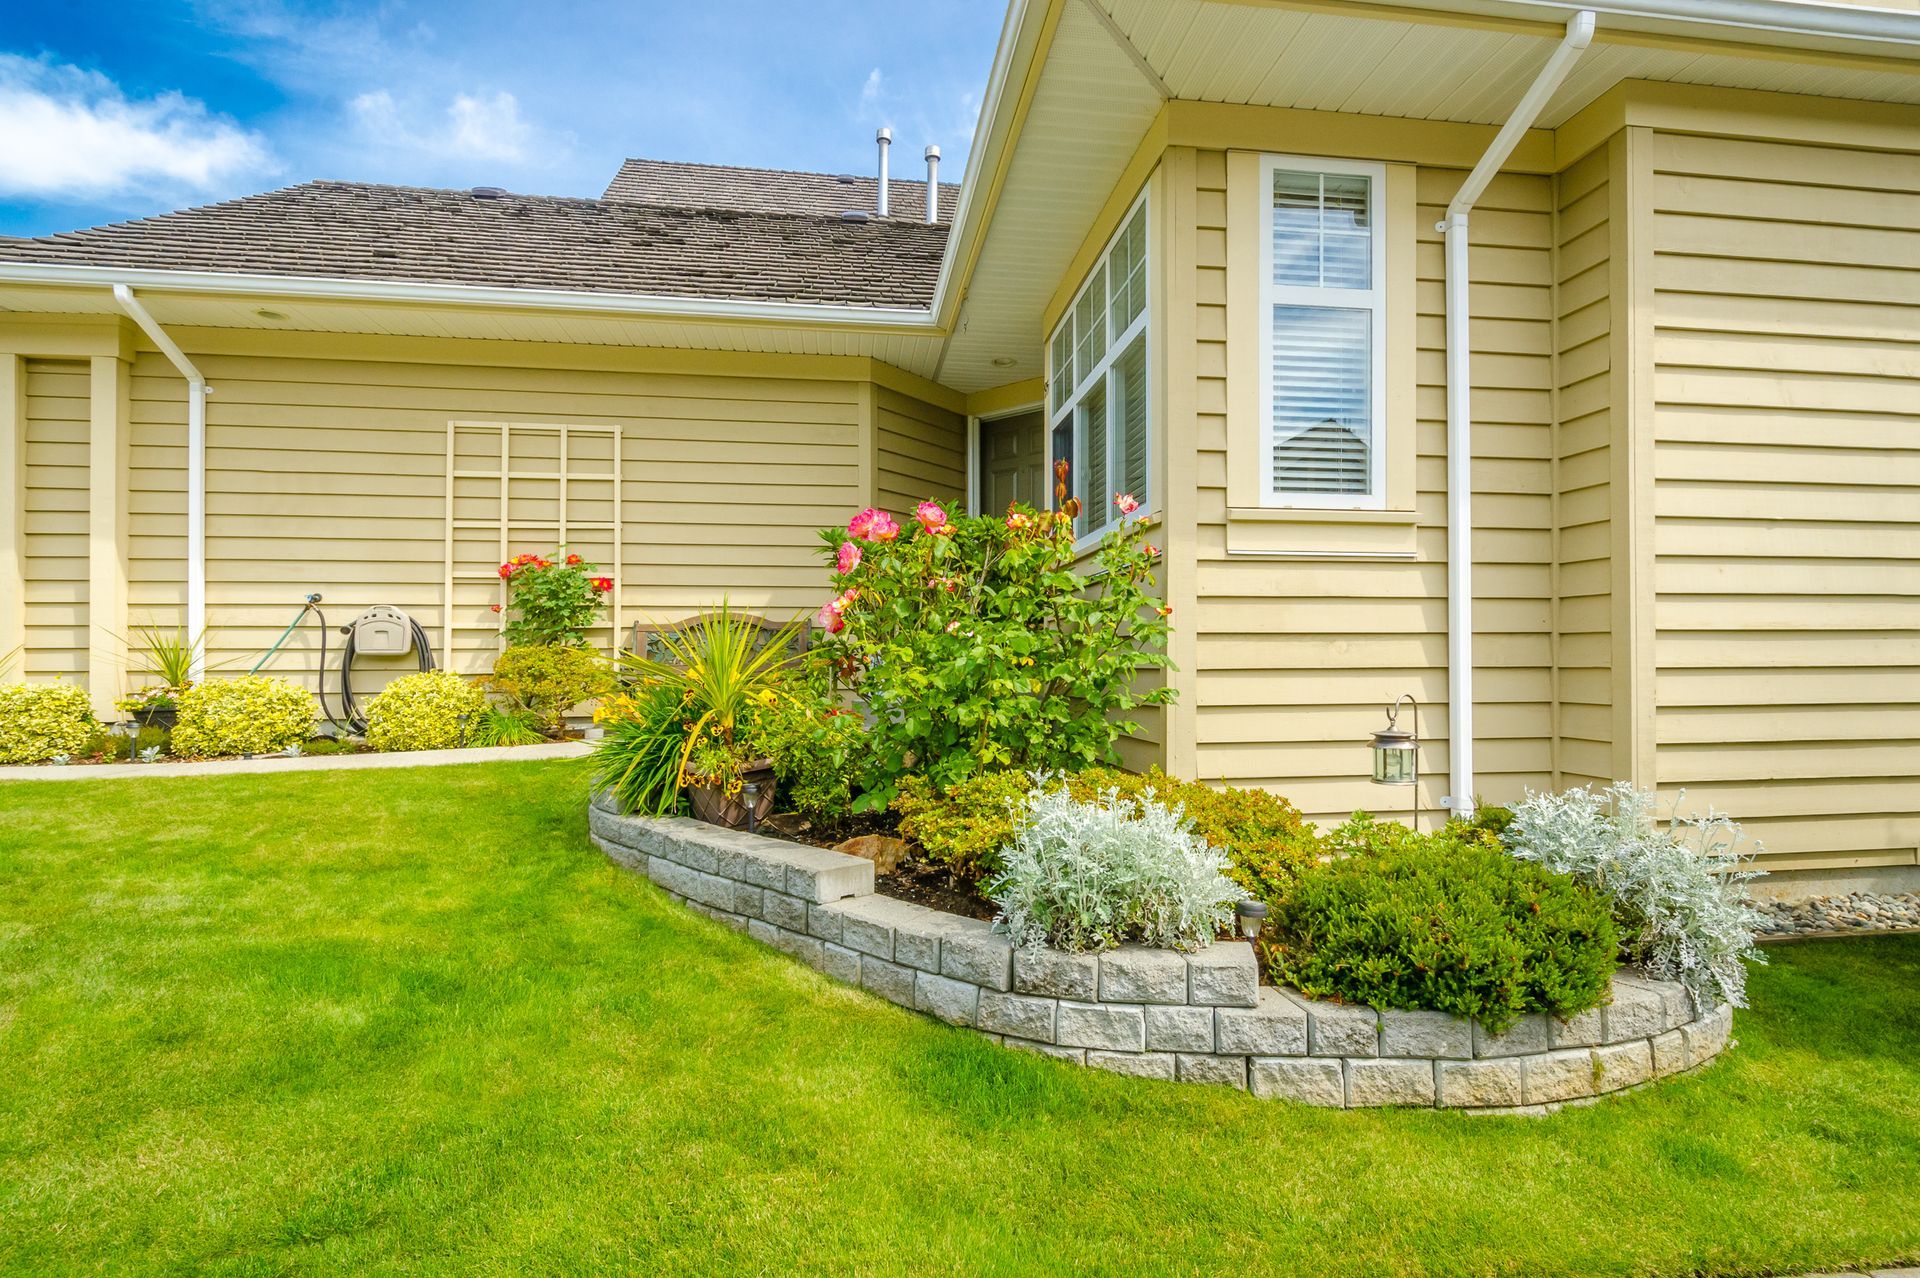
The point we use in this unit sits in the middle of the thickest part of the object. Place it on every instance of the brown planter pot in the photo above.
(713, 805)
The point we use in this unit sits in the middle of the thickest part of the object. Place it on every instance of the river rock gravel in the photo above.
(1853, 912)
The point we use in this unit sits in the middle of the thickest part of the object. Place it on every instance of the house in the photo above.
(1618, 474)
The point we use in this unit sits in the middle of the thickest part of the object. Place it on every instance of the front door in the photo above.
(1013, 462)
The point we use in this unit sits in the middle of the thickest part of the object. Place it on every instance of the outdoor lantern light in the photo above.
(1396, 752)
(1251, 914)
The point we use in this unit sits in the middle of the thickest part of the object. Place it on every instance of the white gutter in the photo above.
(636, 305)
(1777, 23)
(1460, 406)
(196, 473)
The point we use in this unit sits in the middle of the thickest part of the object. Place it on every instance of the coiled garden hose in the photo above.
(355, 721)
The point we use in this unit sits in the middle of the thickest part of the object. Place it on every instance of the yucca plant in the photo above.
(167, 653)
(638, 760)
(721, 667)
(499, 725)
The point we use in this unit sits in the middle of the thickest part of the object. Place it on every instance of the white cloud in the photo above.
(73, 133)
(469, 127)
(872, 91)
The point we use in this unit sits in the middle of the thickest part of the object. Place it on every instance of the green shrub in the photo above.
(815, 745)
(423, 712)
(41, 720)
(1438, 921)
(1266, 840)
(504, 726)
(254, 714)
(548, 679)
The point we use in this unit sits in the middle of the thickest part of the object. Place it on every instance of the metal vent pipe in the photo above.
(933, 184)
(885, 138)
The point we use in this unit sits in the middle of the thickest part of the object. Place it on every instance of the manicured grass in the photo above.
(413, 1021)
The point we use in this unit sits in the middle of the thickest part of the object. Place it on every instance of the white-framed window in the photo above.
(1323, 327)
(1098, 409)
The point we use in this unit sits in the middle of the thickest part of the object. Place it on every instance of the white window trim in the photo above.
(1117, 345)
(1373, 300)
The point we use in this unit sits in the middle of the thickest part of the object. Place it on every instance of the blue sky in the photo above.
(111, 110)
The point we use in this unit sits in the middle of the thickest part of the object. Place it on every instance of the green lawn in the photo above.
(412, 1021)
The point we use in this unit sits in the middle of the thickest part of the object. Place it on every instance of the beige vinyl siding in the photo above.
(920, 453)
(1298, 658)
(55, 500)
(1583, 539)
(329, 475)
(1787, 492)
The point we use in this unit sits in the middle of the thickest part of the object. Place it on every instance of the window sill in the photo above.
(1299, 533)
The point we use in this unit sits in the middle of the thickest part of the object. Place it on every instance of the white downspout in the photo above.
(196, 472)
(1460, 407)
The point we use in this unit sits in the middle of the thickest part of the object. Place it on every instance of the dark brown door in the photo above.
(1013, 462)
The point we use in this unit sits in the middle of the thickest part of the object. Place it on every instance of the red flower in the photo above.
(573, 561)
(495, 607)
(506, 570)
(603, 584)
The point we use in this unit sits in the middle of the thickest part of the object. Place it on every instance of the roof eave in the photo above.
(632, 305)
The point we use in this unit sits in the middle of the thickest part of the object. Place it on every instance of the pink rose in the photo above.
(849, 557)
(1126, 502)
(873, 524)
(932, 518)
(828, 619)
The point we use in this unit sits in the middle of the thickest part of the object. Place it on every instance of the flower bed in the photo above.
(1198, 1017)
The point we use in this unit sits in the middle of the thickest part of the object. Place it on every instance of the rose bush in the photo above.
(552, 602)
(977, 642)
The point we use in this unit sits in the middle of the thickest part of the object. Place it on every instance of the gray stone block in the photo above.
(1558, 1076)
(1179, 1029)
(1230, 1071)
(1134, 1064)
(1054, 974)
(1435, 1035)
(689, 850)
(917, 944)
(1621, 1065)
(825, 922)
(1225, 974)
(762, 931)
(1078, 1055)
(1524, 1037)
(972, 951)
(1020, 1015)
(1389, 1082)
(1109, 1027)
(1481, 1084)
(818, 875)
(1708, 1036)
(1669, 1053)
(1340, 1029)
(1588, 1029)
(1138, 974)
(1676, 1006)
(749, 900)
(889, 980)
(808, 949)
(954, 1002)
(1302, 1079)
(738, 922)
(1636, 1012)
(761, 872)
(842, 964)
(1276, 1027)
(785, 911)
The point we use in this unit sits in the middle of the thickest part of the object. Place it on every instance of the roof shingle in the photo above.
(358, 231)
(725, 186)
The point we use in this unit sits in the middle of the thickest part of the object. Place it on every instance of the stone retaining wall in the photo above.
(1151, 1013)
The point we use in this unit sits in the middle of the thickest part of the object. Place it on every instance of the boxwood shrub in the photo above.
(1447, 922)
(254, 714)
(423, 711)
(41, 720)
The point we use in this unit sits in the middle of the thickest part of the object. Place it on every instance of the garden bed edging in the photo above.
(1153, 1013)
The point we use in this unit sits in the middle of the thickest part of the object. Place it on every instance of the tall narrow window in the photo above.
(1323, 329)
(1098, 382)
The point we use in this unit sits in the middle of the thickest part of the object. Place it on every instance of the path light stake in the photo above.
(752, 792)
(1252, 916)
(463, 730)
(1396, 752)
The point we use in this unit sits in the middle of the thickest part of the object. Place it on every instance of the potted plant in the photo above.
(155, 707)
(726, 673)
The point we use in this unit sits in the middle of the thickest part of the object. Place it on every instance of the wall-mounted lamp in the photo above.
(1396, 752)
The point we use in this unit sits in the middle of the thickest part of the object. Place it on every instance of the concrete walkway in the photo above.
(280, 763)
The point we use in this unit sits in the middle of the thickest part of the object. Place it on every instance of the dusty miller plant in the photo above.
(1084, 876)
(1678, 886)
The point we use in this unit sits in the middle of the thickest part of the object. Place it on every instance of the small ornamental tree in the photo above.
(552, 602)
(977, 643)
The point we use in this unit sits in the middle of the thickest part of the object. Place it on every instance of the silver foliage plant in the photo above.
(1678, 886)
(1085, 876)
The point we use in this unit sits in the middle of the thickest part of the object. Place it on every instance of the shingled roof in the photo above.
(358, 231)
(725, 186)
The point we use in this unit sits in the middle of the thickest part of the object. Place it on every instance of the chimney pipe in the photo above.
(933, 184)
(885, 138)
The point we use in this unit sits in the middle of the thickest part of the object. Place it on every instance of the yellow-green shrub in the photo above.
(253, 714)
(549, 679)
(422, 711)
(40, 720)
